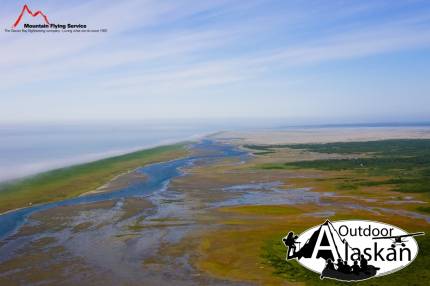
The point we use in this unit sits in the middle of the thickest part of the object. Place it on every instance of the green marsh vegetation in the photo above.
(406, 162)
(260, 149)
(72, 181)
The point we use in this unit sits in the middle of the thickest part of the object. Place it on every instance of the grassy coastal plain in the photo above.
(383, 180)
(76, 180)
(223, 221)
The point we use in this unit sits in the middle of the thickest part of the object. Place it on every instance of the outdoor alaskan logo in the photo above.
(44, 25)
(352, 250)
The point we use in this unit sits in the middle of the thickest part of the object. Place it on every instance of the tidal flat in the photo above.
(216, 216)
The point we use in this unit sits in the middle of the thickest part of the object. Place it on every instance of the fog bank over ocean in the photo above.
(31, 149)
(27, 149)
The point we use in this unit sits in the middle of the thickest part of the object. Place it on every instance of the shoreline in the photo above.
(94, 157)
(130, 151)
(77, 180)
(185, 143)
(94, 192)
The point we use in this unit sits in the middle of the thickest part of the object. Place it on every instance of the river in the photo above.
(158, 177)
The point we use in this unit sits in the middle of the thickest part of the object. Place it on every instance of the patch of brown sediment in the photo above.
(322, 135)
(134, 206)
(82, 226)
(59, 218)
(119, 182)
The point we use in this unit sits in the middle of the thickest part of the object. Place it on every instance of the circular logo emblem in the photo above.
(352, 250)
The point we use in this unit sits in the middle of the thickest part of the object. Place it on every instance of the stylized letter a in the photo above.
(324, 242)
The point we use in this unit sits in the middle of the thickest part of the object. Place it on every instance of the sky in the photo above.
(311, 61)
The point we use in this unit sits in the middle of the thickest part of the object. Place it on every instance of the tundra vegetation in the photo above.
(380, 177)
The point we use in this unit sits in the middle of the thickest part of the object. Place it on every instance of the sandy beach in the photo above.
(322, 135)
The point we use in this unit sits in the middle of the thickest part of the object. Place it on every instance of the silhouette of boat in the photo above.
(335, 274)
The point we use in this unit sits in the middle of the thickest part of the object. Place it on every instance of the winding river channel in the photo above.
(158, 177)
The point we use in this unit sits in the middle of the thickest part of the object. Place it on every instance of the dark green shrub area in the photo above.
(260, 149)
(407, 162)
(424, 209)
(382, 147)
(405, 147)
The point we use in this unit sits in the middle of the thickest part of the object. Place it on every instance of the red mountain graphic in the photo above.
(26, 9)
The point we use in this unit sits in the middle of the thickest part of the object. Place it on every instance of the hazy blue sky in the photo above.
(300, 60)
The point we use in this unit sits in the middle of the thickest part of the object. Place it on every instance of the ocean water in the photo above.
(30, 149)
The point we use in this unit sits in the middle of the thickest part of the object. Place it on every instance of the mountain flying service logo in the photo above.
(45, 25)
(352, 250)
(36, 14)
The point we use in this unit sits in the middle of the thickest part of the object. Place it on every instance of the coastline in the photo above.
(82, 179)
(125, 176)
(85, 158)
